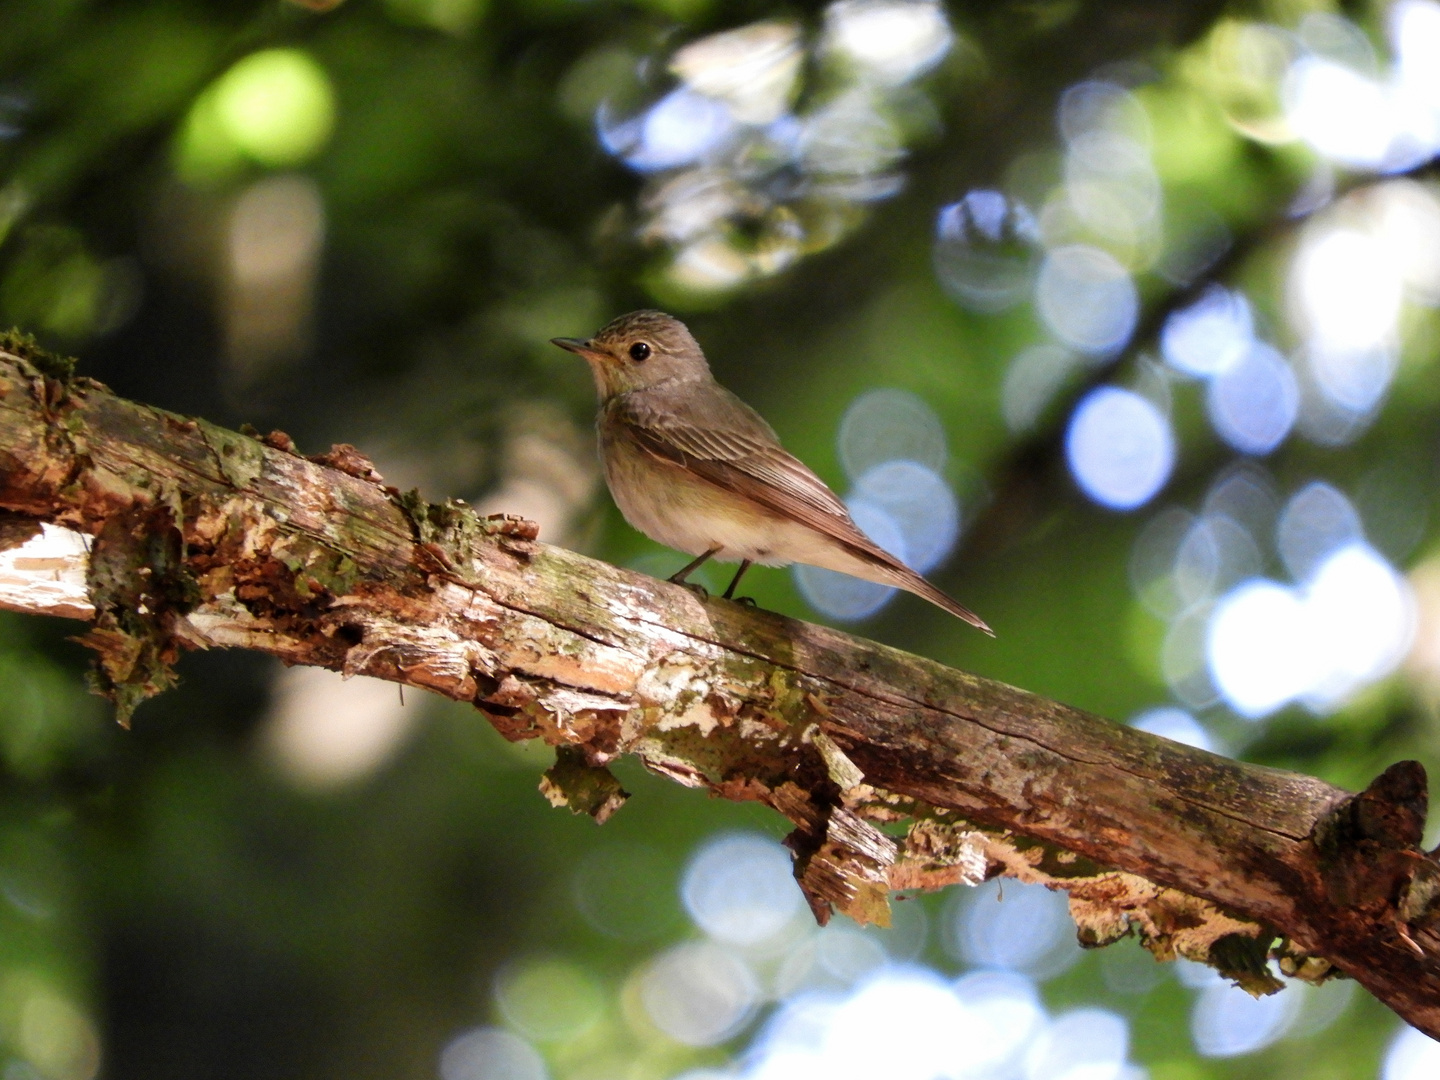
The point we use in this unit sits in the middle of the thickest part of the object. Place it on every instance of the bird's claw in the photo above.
(744, 601)
(694, 586)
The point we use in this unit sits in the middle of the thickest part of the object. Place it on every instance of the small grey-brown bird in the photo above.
(694, 468)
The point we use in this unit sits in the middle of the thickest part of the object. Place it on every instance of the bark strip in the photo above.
(897, 772)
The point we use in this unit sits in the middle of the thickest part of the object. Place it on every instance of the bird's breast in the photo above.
(674, 507)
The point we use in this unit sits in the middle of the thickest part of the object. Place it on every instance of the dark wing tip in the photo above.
(969, 616)
(915, 583)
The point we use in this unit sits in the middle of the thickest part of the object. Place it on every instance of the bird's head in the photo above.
(638, 350)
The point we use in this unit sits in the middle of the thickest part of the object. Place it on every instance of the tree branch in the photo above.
(898, 773)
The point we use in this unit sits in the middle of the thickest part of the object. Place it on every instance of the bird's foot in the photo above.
(694, 586)
(745, 601)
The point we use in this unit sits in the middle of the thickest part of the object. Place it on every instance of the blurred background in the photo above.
(1120, 318)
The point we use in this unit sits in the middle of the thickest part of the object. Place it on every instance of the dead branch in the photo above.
(897, 773)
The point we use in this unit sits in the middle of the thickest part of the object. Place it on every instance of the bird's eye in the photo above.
(639, 351)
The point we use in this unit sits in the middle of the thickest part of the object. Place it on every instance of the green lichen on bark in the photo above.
(1301, 965)
(787, 696)
(50, 364)
(1420, 899)
(317, 569)
(450, 530)
(1245, 960)
(241, 458)
(451, 526)
(138, 583)
(586, 789)
(1058, 863)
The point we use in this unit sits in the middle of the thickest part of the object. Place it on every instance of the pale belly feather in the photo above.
(675, 509)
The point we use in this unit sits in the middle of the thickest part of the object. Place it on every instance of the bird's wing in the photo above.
(717, 437)
(720, 439)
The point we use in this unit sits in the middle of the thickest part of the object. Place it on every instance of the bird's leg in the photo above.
(730, 592)
(678, 578)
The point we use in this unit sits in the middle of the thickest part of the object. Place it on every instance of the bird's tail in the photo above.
(856, 554)
(910, 581)
(884, 569)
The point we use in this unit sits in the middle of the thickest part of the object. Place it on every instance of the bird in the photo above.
(693, 467)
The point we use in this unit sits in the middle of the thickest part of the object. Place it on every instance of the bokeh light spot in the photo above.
(920, 504)
(1407, 225)
(1128, 968)
(739, 888)
(1111, 187)
(1354, 380)
(1316, 521)
(1412, 1055)
(752, 69)
(1414, 27)
(847, 954)
(625, 892)
(488, 1053)
(1153, 558)
(698, 994)
(1197, 563)
(1254, 403)
(1364, 612)
(1095, 1040)
(52, 1034)
(1260, 648)
(277, 106)
(1348, 291)
(1010, 1012)
(1184, 657)
(1342, 113)
(792, 1041)
(1211, 335)
(847, 598)
(1321, 1006)
(1177, 725)
(1215, 554)
(54, 283)
(1245, 493)
(1099, 105)
(679, 129)
(549, 999)
(1119, 448)
(1225, 1021)
(890, 425)
(1032, 381)
(1086, 299)
(913, 1000)
(451, 16)
(1015, 927)
(324, 731)
(890, 41)
(987, 251)
(1347, 626)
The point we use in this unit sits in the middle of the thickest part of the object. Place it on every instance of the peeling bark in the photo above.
(898, 773)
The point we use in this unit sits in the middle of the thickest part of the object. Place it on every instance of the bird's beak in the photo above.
(575, 345)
